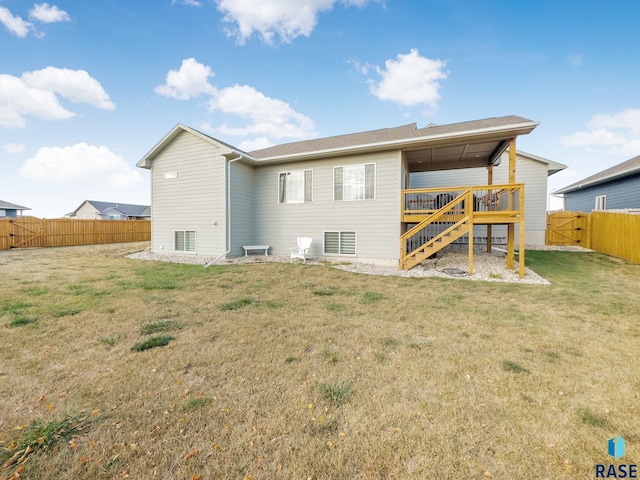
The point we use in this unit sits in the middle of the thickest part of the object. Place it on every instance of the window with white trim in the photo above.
(601, 202)
(340, 243)
(354, 182)
(295, 186)
(184, 241)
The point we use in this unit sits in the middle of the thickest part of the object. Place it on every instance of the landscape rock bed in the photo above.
(490, 267)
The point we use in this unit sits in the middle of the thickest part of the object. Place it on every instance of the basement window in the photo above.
(340, 243)
(184, 241)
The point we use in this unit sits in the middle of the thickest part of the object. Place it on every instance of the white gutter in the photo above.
(403, 142)
(228, 220)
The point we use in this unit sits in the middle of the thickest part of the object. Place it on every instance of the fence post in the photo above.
(587, 236)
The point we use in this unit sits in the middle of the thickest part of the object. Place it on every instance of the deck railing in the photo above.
(436, 231)
(436, 217)
(420, 203)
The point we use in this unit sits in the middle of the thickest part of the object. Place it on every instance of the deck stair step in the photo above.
(444, 238)
(435, 244)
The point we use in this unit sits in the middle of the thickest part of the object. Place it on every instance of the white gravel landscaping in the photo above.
(489, 267)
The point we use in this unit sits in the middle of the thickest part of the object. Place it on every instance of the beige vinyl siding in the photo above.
(242, 208)
(87, 211)
(530, 172)
(534, 175)
(194, 200)
(376, 222)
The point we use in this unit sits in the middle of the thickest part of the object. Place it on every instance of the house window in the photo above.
(354, 182)
(601, 202)
(340, 243)
(184, 241)
(295, 186)
(114, 217)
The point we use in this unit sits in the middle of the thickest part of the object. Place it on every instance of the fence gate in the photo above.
(26, 232)
(568, 228)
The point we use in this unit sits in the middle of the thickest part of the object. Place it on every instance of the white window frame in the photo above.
(340, 243)
(601, 202)
(364, 187)
(307, 196)
(185, 241)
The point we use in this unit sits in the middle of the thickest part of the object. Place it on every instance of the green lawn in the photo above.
(116, 368)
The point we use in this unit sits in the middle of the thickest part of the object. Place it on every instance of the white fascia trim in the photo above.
(398, 143)
(555, 166)
(145, 162)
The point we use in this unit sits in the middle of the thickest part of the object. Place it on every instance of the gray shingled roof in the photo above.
(404, 132)
(127, 209)
(624, 169)
(12, 206)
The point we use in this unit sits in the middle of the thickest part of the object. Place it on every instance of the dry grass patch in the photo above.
(426, 380)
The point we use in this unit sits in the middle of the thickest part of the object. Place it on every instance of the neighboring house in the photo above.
(90, 209)
(346, 192)
(531, 170)
(615, 188)
(11, 210)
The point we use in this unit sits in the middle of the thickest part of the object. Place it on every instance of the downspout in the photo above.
(228, 220)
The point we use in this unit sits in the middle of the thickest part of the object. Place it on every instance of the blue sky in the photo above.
(88, 87)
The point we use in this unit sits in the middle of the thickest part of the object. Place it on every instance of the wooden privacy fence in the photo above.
(612, 233)
(25, 232)
(616, 234)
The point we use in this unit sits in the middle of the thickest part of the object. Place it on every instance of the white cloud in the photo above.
(14, 148)
(617, 133)
(255, 144)
(81, 164)
(267, 116)
(190, 81)
(410, 80)
(192, 3)
(363, 68)
(16, 25)
(46, 13)
(75, 85)
(287, 19)
(36, 94)
(17, 100)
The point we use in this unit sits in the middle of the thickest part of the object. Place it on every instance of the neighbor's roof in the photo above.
(12, 206)
(126, 208)
(624, 169)
(391, 136)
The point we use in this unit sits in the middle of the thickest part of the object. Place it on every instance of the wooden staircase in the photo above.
(457, 213)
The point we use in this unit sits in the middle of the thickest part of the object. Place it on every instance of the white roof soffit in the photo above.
(505, 131)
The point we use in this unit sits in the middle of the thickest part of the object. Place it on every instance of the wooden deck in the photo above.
(433, 218)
